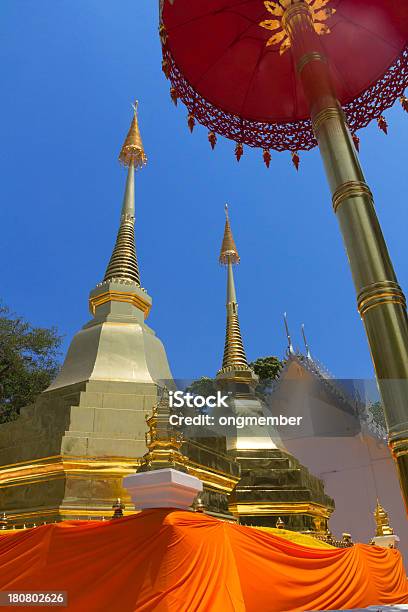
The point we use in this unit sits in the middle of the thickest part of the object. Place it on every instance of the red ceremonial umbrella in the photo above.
(290, 74)
(221, 66)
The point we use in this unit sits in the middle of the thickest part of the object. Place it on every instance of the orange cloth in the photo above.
(178, 561)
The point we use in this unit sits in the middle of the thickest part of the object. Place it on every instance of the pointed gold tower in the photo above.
(235, 366)
(123, 262)
(95, 408)
(163, 441)
(274, 487)
(117, 344)
(121, 282)
(382, 522)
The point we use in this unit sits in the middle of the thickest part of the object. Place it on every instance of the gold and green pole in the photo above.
(380, 300)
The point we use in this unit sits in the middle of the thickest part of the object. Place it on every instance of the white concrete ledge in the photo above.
(387, 541)
(165, 488)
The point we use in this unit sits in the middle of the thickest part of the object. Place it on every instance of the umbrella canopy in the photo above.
(217, 58)
(181, 561)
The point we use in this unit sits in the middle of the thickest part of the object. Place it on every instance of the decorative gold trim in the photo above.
(213, 479)
(312, 56)
(399, 448)
(61, 512)
(24, 463)
(279, 508)
(54, 468)
(350, 189)
(331, 112)
(377, 294)
(120, 296)
(57, 467)
(290, 13)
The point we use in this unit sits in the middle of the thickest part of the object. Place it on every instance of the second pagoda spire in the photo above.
(234, 352)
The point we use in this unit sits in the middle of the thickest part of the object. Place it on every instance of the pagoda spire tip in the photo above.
(132, 151)
(229, 252)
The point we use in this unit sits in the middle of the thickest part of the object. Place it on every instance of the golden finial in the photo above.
(199, 505)
(163, 442)
(347, 540)
(382, 521)
(132, 151)
(118, 508)
(229, 251)
(4, 521)
(280, 524)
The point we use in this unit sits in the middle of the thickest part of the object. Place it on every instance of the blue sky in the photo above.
(70, 69)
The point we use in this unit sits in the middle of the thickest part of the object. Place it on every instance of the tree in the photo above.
(202, 386)
(377, 411)
(29, 360)
(267, 368)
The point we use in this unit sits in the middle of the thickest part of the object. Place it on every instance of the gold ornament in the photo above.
(318, 14)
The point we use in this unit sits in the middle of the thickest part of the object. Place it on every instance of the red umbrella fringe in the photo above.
(296, 135)
(267, 157)
(356, 141)
(163, 34)
(404, 103)
(212, 139)
(295, 159)
(174, 95)
(382, 124)
(166, 67)
(191, 122)
(239, 151)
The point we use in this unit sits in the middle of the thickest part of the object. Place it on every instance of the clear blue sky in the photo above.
(69, 70)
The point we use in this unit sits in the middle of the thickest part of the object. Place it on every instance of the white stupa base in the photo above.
(165, 488)
(387, 541)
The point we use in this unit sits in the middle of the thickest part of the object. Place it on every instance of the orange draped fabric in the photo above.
(177, 561)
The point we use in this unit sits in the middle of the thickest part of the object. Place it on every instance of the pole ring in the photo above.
(331, 112)
(350, 189)
(313, 56)
(399, 448)
(378, 294)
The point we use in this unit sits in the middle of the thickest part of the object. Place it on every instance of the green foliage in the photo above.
(28, 362)
(267, 368)
(202, 386)
(377, 411)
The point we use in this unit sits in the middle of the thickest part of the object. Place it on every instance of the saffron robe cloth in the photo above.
(178, 561)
